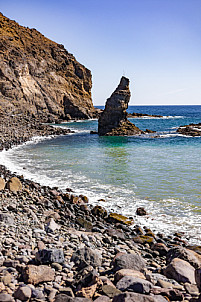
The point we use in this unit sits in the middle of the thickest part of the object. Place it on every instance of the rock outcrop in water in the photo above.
(190, 130)
(113, 120)
(40, 77)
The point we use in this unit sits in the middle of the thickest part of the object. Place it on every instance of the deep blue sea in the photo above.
(161, 174)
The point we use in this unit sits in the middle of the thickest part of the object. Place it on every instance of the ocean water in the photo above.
(161, 174)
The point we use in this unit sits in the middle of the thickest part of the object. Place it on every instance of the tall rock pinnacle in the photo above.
(113, 120)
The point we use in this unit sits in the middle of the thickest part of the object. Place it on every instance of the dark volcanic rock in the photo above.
(39, 76)
(50, 256)
(190, 130)
(113, 120)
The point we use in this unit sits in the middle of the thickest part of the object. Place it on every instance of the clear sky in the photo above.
(155, 43)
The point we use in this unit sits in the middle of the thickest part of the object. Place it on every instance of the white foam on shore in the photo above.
(117, 199)
(156, 117)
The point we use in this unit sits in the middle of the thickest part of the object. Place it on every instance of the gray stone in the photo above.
(6, 298)
(185, 254)
(46, 256)
(129, 261)
(86, 256)
(136, 285)
(23, 293)
(134, 297)
(6, 218)
(181, 271)
(102, 299)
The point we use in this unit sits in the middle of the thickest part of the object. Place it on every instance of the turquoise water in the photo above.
(162, 174)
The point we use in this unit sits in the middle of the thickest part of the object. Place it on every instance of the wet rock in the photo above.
(36, 274)
(134, 284)
(14, 184)
(116, 218)
(23, 293)
(141, 211)
(143, 239)
(50, 256)
(181, 271)
(113, 120)
(86, 256)
(84, 223)
(161, 248)
(129, 261)
(99, 211)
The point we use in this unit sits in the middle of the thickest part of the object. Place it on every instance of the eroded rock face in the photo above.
(39, 76)
(113, 120)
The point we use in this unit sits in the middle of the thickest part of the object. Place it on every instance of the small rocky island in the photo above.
(113, 120)
(190, 130)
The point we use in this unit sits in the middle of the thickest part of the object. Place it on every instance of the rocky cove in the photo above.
(57, 247)
(54, 245)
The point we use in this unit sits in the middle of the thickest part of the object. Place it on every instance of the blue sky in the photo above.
(155, 43)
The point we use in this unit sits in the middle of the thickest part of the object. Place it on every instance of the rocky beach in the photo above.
(57, 247)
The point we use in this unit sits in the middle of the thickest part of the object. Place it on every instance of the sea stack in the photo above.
(113, 120)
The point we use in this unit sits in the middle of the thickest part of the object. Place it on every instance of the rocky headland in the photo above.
(113, 120)
(39, 77)
(190, 130)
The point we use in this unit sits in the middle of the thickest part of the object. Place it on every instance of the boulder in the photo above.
(113, 120)
(118, 218)
(141, 211)
(6, 297)
(23, 293)
(36, 274)
(129, 261)
(99, 211)
(181, 271)
(2, 184)
(50, 256)
(185, 254)
(6, 218)
(14, 184)
(134, 284)
(198, 277)
(135, 297)
(52, 226)
(110, 291)
(128, 272)
(102, 299)
(86, 256)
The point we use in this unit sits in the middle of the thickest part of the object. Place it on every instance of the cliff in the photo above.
(113, 120)
(39, 77)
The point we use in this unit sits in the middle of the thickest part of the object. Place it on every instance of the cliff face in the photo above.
(113, 120)
(40, 77)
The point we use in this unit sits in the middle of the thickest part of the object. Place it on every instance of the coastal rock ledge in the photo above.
(113, 120)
